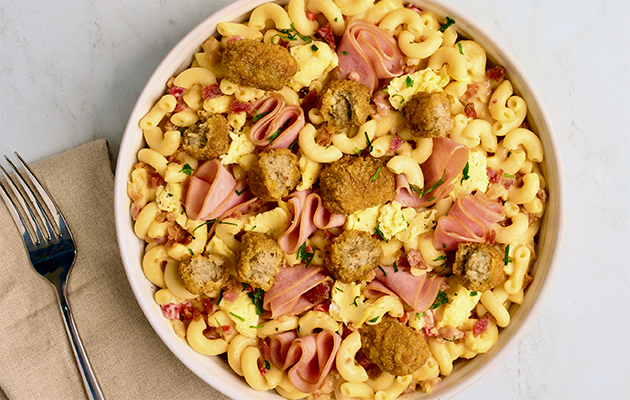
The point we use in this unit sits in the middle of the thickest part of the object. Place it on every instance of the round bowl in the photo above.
(214, 370)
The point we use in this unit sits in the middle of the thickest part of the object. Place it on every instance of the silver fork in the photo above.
(50, 248)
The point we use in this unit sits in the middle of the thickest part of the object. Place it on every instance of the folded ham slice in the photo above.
(210, 187)
(309, 215)
(419, 292)
(367, 54)
(308, 359)
(281, 124)
(468, 220)
(447, 160)
(286, 296)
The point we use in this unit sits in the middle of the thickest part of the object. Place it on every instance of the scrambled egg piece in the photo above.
(419, 223)
(363, 220)
(391, 220)
(315, 59)
(348, 305)
(239, 147)
(243, 312)
(405, 86)
(477, 176)
(169, 199)
(218, 247)
(273, 223)
(461, 302)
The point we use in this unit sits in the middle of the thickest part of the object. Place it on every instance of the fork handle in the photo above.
(89, 378)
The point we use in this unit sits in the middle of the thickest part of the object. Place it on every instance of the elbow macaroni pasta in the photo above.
(489, 119)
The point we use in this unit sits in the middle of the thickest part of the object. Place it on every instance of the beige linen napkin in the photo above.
(129, 359)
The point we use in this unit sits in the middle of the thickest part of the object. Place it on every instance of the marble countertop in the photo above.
(70, 72)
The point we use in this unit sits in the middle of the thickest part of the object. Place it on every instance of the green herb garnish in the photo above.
(241, 192)
(378, 231)
(459, 47)
(259, 116)
(380, 167)
(227, 223)
(257, 300)
(304, 255)
(473, 293)
(506, 258)
(382, 270)
(409, 81)
(314, 48)
(401, 96)
(395, 267)
(345, 53)
(354, 303)
(465, 172)
(449, 22)
(508, 175)
(187, 169)
(440, 258)
(374, 319)
(237, 316)
(441, 299)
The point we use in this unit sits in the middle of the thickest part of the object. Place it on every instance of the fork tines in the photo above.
(30, 205)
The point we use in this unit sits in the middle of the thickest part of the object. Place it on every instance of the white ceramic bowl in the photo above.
(216, 372)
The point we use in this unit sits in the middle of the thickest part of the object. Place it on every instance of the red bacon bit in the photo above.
(404, 318)
(284, 43)
(177, 92)
(180, 106)
(415, 259)
(395, 144)
(311, 16)
(494, 176)
(171, 311)
(470, 111)
(196, 314)
(155, 180)
(323, 307)
(381, 101)
(542, 195)
(492, 235)
(481, 325)
(265, 350)
(319, 292)
(239, 106)
(233, 288)
(415, 8)
(327, 35)
(234, 39)
(177, 234)
(323, 137)
(186, 311)
(211, 91)
(496, 73)
(309, 102)
(208, 307)
(372, 369)
(212, 332)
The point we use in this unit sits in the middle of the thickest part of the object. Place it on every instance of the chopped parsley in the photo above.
(170, 194)
(187, 169)
(508, 175)
(237, 316)
(314, 48)
(399, 95)
(506, 257)
(257, 300)
(304, 255)
(459, 47)
(354, 303)
(449, 22)
(345, 53)
(241, 192)
(374, 319)
(382, 270)
(409, 81)
(378, 231)
(465, 172)
(440, 258)
(259, 116)
(336, 19)
(441, 299)
(418, 315)
(473, 293)
(395, 267)
(356, 150)
(191, 252)
(267, 365)
(292, 35)
(380, 167)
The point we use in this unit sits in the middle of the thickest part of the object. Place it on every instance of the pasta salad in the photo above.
(340, 198)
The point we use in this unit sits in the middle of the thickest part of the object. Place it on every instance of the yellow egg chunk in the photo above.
(461, 302)
(243, 312)
(403, 87)
(314, 60)
(240, 146)
(477, 176)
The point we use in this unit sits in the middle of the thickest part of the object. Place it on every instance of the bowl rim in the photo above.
(218, 374)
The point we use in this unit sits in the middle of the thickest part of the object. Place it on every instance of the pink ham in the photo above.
(287, 120)
(286, 296)
(367, 54)
(419, 292)
(308, 359)
(210, 186)
(309, 215)
(468, 220)
(447, 160)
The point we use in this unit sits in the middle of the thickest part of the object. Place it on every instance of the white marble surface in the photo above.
(70, 72)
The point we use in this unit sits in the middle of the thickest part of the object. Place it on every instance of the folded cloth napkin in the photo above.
(36, 360)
